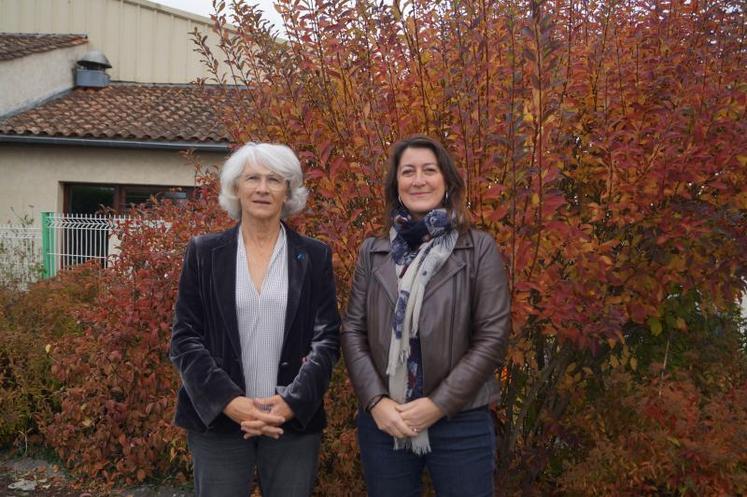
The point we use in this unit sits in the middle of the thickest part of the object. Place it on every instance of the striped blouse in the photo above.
(261, 318)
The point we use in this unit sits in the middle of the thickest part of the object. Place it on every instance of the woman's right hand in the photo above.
(253, 420)
(389, 420)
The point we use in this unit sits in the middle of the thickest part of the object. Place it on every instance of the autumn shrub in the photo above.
(117, 405)
(670, 423)
(602, 145)
(662, 438)
(32, 321)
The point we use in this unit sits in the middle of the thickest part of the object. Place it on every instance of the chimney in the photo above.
(90, 71)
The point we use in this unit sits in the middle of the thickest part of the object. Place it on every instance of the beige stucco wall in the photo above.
(144, 41)
(31, 79)
(33, 176)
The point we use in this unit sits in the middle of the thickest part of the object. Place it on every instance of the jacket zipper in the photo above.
(451, 325)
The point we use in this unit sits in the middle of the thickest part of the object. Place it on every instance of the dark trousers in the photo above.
(224, 464)
(461, 462)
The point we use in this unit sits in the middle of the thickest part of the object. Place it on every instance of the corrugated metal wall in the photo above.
(145, 41)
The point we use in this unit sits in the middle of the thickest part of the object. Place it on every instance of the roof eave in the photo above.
(109, 143)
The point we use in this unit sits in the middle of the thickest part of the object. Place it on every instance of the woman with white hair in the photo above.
(256, 335)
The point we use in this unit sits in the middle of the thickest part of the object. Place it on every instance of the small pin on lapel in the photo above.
(299, 256)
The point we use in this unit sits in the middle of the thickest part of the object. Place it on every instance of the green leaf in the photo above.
(655, 325)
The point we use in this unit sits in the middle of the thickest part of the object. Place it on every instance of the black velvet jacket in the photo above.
(205, 345)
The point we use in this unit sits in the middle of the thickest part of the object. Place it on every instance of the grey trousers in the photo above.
(224, 465)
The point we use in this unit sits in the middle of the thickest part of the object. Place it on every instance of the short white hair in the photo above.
(277, 158)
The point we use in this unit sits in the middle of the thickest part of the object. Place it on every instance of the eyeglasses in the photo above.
(273, 181)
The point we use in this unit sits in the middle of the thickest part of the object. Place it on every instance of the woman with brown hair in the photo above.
(425, 330)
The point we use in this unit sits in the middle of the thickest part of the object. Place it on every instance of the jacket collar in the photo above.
(224, 279)
(383, 245)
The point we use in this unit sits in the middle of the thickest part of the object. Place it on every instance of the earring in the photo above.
(446, 198)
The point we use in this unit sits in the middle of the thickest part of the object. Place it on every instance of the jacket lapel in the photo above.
(298, 263)
(386, 273)
(224, 282)
(449, 269)
(452, 266)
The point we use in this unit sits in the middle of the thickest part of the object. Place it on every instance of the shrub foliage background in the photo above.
(604, 146)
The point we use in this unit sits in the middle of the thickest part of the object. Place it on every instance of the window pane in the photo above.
(139, 195)
(89, 199)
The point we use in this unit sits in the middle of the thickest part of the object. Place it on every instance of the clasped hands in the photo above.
(405, 420)
(259, 416)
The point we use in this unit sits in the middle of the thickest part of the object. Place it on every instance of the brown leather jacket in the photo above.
(464, 323)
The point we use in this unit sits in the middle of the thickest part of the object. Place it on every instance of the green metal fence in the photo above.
(70, 239)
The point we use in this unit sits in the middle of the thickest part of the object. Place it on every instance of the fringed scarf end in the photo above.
(419, 445)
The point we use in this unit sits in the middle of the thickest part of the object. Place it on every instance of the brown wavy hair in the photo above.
(454, 181)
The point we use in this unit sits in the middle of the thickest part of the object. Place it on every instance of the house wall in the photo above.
(33, 175)
(31, 79)
(144, 41)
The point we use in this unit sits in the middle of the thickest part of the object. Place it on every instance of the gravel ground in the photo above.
(27, 477)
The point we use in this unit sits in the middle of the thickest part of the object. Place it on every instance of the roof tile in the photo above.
(16, 45)
(127, 111)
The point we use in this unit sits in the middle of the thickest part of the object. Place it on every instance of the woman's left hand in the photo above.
(420, 414)
(275, 405)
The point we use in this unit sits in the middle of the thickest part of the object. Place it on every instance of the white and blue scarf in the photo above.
(419, 249)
